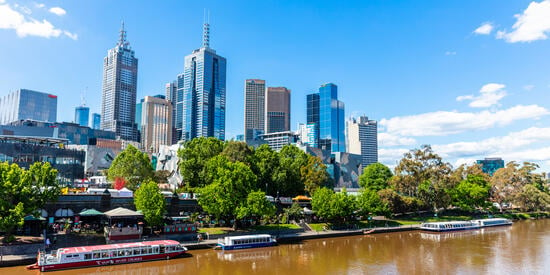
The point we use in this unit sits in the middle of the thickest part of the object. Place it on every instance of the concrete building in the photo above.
(156, 123)
(203, 92)
(254, 108)
(96, 160)
(277, 110)
(279, 139)
(362, 139)
(490, 165)
(118, 104)
(28, 104)
(82, 115)
(326, 112)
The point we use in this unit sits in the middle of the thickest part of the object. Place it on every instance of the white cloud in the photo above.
(529, 87)
(39, 5)
(450, 53)
(386, 139)
(490, 94)
(533, 24)
(57, 11)
(442, 123)
(485, 28)
(28, 26)
(390, 156)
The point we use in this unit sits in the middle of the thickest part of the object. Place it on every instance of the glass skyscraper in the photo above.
(96, 121)
(118, 105)
(171, 91)
(82, 115)
(27, 104)
(203, 93)
(327, 113)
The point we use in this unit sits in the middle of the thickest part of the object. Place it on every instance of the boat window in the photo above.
(87, 256)
(104, 255)
(136, 251)
(150, 250)
(120, 253)
(144, 250)
(96, 255)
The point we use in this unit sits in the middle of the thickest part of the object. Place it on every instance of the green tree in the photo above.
(375, 176)
(334, 207)
(193, 157)
(471, 193)
(314, 174)
(294, 212)
(150, 202)
(532, 199)
(287, 177)
(23, 192)
(256, 205)
(369, 202)
(131, 165)
(506, 184)
(265, 164)
(238, 151)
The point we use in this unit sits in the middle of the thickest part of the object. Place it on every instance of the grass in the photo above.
(215, 230)
(275, 227)
(317, 226)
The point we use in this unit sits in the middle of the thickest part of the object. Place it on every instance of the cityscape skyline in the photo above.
(435, 100)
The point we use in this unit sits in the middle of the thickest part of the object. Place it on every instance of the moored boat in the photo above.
(449, 226)
(246, 241)
(493, 222)
(101, 255)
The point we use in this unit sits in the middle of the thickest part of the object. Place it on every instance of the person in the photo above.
(48, 243)
(199, 237)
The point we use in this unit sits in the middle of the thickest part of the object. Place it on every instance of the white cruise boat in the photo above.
(493, 222)
(449, 226)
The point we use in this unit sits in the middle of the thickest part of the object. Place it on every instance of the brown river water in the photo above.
(523, 248)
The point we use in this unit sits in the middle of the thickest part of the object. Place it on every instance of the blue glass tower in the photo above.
(327, 112)
(96, 121)
(82, 115)
(203, 93)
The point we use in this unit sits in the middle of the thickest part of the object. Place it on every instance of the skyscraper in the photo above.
(327, 113)
(277, 110)
(156, 123)
(27, 104)
(96, 121)
(171, 90)
(490, 165)
(362, 139)
(120, 68)
(203, 101)
(254, 108)
(82, 115)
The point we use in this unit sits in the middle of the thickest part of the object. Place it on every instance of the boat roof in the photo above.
(80, 249)
(449, 222)
(249, 236)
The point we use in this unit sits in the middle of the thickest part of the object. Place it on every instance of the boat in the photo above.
(102, 255)
(493, 222)
(246, 241)
(449, 226)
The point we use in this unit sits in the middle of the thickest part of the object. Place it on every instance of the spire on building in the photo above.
(206, 31)
(122, 37)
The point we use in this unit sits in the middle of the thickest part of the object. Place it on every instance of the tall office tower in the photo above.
(156, 123)
(82, 115)
(171, 90)
(27, 104)
(490, 165)
(203, 101)
(277, 110)
(327, 112)
(362, 139)
(308, 134)
(118, 105)
(254, 108)
(96, 121)
(179, 112)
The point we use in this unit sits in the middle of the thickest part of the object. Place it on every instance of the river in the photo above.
(523, 248)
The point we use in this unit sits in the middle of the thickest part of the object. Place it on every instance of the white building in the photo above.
(362, 139)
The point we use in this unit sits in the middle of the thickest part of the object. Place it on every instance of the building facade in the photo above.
(156, 123)
(277, 110)
(28, 104)
(362, 139)
(120, 69)
(490, 165)
(82, 115)
(327, 113)
(277, 140)
(171, 90)
(203, 93)
(254, 108)
(96, 121)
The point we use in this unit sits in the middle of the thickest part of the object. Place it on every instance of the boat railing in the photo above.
(117, 231)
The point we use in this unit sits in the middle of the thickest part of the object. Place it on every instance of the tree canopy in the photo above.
(131, 165)
(375, 176)
(150, 202)
(193, 158)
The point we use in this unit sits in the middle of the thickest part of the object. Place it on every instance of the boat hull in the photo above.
(245, 246)
(113, 261)
(449, 229)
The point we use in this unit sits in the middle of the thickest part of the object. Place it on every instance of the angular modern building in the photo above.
(171, 90)
(82, 115)
(156, 123)
(254, 108)
(120, 68)
(490, 165)
(96, 121)
(28, 104)
(277, 110)
(362, 139)
(203, 93)
(327, 113)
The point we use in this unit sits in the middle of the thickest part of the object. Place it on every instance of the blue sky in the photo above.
(469, 77)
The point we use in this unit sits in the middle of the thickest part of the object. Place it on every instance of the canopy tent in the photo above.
(90, 212)
(125, 193)
(33, 218)
(122, 212)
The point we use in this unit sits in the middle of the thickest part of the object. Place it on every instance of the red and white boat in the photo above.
(100, 255)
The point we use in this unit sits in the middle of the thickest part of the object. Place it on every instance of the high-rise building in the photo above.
(171, 90)
(308, 134)
(203, 101)
(490, 165)
(327, 113)
(96, 121)
(82, 115)
(27, 104)
(118, 105)
(254, 108)
(277, 110)
(179, 112)
(362, 139)
(156, 123)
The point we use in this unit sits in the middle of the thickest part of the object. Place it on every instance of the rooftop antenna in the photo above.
(122, 37)
(83, 97)
(206, 30)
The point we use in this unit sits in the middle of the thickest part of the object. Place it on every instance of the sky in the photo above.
(471, 78)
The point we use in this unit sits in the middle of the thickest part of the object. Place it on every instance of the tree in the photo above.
(238, 151)
(119, 183)
(506, 183)
(332, 206)
(532, 199)
(256, 205)
(193, 157)
(265, 164)
(294, 212)
(471, 193)
(161, 176)
(288, 176)
(375, 176)
(23, 192)
(133, 166)
(314, 174)
(151, 202)
(369, 202)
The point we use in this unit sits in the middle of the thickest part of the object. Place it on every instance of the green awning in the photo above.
(90, 212)
(33, 218)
